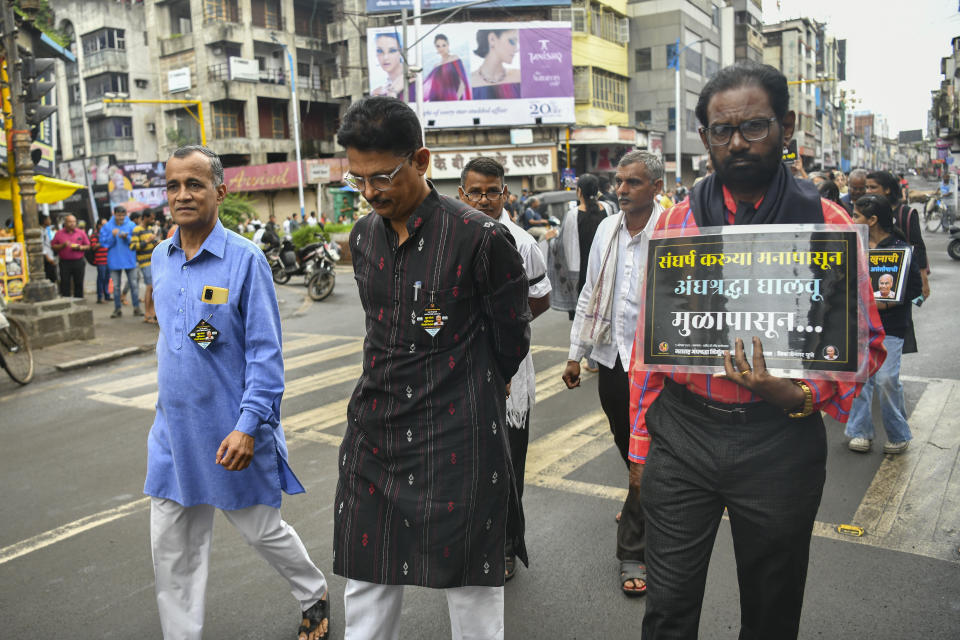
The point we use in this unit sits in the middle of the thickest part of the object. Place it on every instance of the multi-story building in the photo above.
(109, 41)
(791, 46)
(747, 30)
(231, 55)
(601, 75)
(660, 30)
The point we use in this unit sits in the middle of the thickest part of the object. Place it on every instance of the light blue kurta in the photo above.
(235, 383)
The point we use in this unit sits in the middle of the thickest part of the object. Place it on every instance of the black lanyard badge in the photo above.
(204, 334)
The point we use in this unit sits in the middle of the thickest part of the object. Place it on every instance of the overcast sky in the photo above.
(893, 49)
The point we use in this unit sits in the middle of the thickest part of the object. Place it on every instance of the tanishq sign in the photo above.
(525, 161)
(481, 73)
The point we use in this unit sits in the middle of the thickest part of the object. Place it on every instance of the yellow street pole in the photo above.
(11, 162)
(198, 117)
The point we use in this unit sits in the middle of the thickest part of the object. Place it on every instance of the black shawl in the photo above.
(787, 201)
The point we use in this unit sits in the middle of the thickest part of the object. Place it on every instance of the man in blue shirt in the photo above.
(216, 441)
(532, 221)
(115, 236)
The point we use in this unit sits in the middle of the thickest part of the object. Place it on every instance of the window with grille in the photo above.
(609, 90)
(228, 120)
(108, 128)
(104, 39)
(644, 59)
(576, 16)
(581, 84)
(103, 83)
(221, 10)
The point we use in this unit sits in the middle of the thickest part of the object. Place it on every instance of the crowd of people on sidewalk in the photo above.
(431, 467)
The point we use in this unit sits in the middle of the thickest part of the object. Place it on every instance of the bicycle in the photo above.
(939, 216)
(15, 353)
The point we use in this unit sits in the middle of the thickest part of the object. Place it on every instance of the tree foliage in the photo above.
(236, 208)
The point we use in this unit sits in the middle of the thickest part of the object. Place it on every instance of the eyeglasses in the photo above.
(380, 182)
(754, 130)
(477, 196)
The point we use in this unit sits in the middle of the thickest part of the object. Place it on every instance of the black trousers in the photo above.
(518, 439)
(71, 277)
(614, 388)
(769, 474)
(50, 270)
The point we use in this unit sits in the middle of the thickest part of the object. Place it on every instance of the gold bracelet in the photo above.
(807, 401)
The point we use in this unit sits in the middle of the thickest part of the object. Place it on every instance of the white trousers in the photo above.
(372, 611)
(180, 540)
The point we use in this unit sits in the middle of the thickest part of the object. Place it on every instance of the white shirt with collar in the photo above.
(631, 269)
(523, 384)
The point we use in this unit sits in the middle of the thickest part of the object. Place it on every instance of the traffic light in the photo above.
(32, 71)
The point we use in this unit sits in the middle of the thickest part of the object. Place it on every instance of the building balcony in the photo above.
(346, 87)
(176, 44)
(112, 146)
(105, 60)
(96, 108)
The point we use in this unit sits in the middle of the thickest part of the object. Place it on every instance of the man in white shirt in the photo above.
(482, 187)
(312, 220)
(605, 324)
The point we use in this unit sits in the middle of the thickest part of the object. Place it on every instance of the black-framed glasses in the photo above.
(477, 196)
(380, 182)
(752, 131)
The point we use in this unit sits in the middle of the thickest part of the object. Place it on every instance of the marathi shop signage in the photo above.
(889, 269)
(793, 286)
(384, 6)
(522, 161)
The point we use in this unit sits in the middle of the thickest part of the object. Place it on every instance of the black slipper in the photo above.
(629, 571)
(509, 567)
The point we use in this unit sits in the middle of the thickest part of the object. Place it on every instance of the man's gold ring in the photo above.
(745, 372)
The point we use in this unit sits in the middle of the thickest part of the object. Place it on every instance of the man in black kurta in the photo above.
(425, 474)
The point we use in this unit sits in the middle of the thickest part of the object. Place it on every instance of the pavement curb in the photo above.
(103, 358)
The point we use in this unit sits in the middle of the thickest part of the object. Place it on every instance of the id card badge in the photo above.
(204, 334)
(432, 319)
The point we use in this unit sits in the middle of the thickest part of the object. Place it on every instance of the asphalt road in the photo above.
(74, 536)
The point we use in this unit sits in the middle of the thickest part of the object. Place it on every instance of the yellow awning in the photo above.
(49, 190)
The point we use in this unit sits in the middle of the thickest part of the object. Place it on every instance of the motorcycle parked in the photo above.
(315, 262)
(953, 249)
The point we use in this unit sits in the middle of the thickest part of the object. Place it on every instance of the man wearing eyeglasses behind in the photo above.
(424, 474)
(744, 440)
(482, 187)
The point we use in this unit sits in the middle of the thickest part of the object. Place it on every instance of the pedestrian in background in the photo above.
(482, 186)
(100, 262)
(746, 441)
(873, 210)
(604, 327)
(856, 189)
(70, 243)
(143, 241)
(907, 219)
(115, 236)
(220, 446)
(425, 480)
(46, 246)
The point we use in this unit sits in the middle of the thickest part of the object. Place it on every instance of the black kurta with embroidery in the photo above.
(425, 474)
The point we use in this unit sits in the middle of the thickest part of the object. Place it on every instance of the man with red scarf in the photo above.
(745, 440)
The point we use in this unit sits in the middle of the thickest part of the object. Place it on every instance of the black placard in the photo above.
(888, 273)
(796, 290)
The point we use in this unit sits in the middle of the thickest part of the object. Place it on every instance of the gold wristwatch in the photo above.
(807, 401)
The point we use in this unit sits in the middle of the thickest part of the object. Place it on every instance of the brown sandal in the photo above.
(313, 617)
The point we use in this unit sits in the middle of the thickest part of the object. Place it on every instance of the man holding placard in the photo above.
(741, 439)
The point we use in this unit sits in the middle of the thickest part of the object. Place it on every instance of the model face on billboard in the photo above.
(388, 55)
(504, 47)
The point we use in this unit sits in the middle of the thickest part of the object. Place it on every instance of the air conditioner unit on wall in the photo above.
(543, 183)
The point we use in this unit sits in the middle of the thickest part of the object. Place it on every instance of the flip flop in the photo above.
(631, 570)
(314, 616)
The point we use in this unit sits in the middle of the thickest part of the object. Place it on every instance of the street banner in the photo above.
(394, 6)
(889, 269)
(13, 270)
(487, 74)
(519, 161)
(148, 182)
(793, 286)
